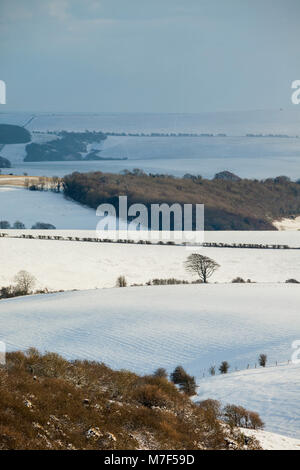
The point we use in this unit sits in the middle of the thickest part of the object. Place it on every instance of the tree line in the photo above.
(241, 204)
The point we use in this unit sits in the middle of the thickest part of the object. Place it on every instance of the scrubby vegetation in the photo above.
(68, 146)
(18, 225)
(24, 284)
(224, 367)
(47, 402)
(262, 360)
(229, 205)
(43, 183)
(240, 280)
(186, 382)
(43, 226)
(121, 281)
(292, 281)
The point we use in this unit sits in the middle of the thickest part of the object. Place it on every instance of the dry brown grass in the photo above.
(19, 180)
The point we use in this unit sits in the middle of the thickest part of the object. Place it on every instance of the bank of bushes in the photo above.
(47, 402)
(229, 205)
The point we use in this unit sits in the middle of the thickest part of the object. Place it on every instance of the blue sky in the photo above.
(149, 56)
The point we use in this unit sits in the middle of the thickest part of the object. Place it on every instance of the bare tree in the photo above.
(161, 373)
(201, 265)
(25, 282)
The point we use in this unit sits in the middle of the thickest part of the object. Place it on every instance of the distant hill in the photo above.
(70, 146)
(229, 205)
(10, 134)
(4, 163)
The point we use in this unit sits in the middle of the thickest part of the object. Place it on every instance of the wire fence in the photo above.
(254, 366)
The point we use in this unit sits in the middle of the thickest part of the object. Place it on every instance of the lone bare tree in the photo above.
(201, 265)
(25, 282)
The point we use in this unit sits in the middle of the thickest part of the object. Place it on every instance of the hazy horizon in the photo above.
(105, 56)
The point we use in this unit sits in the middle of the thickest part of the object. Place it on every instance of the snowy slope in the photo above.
(271, 441)
(35, 206)
(142, 328)
(84, 265)
(272, 392)
(287, 224)
(16, 153)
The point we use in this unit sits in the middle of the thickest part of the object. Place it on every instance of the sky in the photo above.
(170, 56)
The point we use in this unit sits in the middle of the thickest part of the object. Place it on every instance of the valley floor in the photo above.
(272, 392)
(29, 207)
(86, 265)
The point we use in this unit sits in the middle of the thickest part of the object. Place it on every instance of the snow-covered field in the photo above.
(272, 392)
(271, 441)
(30, 207)
(287, 224)
(144, 327)
(86, 265)
(247, 157)
(141, 328)
(16, 153)
(255, 157)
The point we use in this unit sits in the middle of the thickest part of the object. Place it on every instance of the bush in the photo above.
(43, 226)
(4, 224)
(7, 292)
(121, 281)
(237, 416)
(238, 280)
(211, 406)
(25, 282)
(188, 386)
(262, 360)
(47, 402)
(178, 375)
(150, 395)
(19, 225)
(161, 372)
(224, 367)
(186, 382)
(166, 282)
(292, 281)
